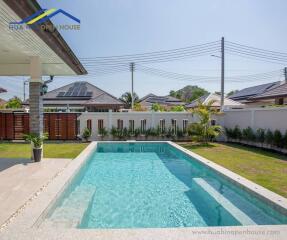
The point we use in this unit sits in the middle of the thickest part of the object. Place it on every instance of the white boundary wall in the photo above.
(152, 119)
(266, 118)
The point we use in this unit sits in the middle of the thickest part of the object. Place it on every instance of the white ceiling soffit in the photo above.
(16, 48)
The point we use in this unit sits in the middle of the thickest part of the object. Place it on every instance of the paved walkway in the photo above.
(20, 179)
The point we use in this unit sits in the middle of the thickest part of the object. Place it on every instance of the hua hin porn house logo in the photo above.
(40, 17)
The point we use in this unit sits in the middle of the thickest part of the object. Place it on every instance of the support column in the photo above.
(35, 96)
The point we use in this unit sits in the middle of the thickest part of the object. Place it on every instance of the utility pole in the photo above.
(132, 68)
(285, 74)
(222, 74)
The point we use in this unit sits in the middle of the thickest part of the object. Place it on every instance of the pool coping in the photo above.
(32, 215)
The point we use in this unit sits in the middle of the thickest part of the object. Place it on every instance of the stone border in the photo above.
(276, 201)
(25, 226)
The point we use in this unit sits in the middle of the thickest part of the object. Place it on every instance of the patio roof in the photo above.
(17, 46)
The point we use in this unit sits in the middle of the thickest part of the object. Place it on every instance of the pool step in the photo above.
(225, 202)
(72, 210)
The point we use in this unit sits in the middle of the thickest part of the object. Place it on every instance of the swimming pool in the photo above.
(154, 185)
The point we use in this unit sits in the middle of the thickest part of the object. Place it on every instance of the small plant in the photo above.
(86, 134)
(237, 134)
(137, 132)
(125, 133)
(260, 135)
(36, 139)
(114, 132)
(248, 134)
(103, 132)
(285, 140)
(269, 138)
(278, 139)
(179, 133)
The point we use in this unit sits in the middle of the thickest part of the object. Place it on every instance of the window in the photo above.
(143, 126)
(184, 125)
(174, 126)
(162, 126)
(89, 124)
(100, 124)
(132, 126)
(120, 124)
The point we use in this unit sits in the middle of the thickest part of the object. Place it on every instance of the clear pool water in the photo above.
(154, 185)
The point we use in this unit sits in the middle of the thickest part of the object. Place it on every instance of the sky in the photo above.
(119, 27)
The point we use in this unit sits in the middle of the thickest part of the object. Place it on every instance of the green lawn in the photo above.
(51, 150)
(265, 168)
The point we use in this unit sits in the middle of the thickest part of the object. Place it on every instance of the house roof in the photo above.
(2, 90)
(279, 91)
(214, 97)
(164, 100)
(80, 93)
(2, 102)
(249, 92)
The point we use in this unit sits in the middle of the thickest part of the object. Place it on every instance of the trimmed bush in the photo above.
(285, 140)
(237, 134)
(278, 139)
(260, 135)
(248, 134)
(269, 137)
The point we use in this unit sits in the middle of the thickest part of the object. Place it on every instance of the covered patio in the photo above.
(34, 53)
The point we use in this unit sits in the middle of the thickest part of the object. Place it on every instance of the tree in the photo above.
(14, 103)
(157, 107)
(203, 130)
(188, 93)
(127, 98)
(177, 109)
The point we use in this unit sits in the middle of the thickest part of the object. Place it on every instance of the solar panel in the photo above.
(89, 94)
(68, 94)
(83, 91)
(61, 94)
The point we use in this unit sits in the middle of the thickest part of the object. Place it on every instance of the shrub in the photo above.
(260, 135)
(248, 134)
(285, 140)
(269, 137)
(278, 139)
(229, 132)
(179, 133)
(103, 132)
(137, 132)
(86, 134)
(237, 134)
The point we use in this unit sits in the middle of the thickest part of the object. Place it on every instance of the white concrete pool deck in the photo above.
(20, 179)
(27, 225)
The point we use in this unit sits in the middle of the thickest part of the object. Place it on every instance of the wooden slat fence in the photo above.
(59, 126)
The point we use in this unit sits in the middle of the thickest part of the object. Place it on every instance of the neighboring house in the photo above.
(205, 99)
(262, 95)
(80, 97)
(277, 95)
(165, 101)
(2, 102)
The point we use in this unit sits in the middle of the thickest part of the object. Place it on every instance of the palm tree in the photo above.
(127, 98)
(203, 130)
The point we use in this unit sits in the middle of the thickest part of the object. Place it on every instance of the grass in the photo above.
(263, 167)
(51, 150)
